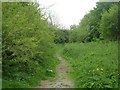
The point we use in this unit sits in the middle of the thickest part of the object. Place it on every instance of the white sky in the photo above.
(68, 12)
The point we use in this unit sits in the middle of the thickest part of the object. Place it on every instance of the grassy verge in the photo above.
(94, 65)
(29, 79)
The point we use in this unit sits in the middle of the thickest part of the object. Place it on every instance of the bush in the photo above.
(28, 44)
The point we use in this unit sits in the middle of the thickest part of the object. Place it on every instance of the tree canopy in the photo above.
(99, 23)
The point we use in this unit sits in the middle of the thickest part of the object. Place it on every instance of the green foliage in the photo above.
(101, 20)
(94, 20)
(61, 36)
(109, 23)
(94, 65)
(79, 33)
(28, 44)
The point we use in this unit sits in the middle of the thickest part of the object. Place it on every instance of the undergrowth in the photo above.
(94, 65)
(34, 75)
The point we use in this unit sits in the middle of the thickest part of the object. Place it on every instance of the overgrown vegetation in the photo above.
(61, 36)
(28, 45)
(99, 23)
(94, 65)
(30, 42)
(92, 48)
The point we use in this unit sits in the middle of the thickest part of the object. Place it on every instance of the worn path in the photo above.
(62, 80)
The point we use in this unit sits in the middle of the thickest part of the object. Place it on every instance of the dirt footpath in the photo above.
(62, 80)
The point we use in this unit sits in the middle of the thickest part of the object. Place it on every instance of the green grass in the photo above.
(94, 65)
(32, 79)
(27, 80)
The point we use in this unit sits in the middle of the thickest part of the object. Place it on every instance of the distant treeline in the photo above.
(101, 23)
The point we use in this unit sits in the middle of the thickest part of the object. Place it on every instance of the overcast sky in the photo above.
(68, 12)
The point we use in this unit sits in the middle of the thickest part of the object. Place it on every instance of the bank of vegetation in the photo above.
(30, 42)
(27, 45)
(92, 50)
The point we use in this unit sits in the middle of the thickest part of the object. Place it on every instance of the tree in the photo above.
(61, 36)
(109, 23)
(88, 28)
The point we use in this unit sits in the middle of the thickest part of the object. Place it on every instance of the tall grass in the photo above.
(94, 65)
(30, 80)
